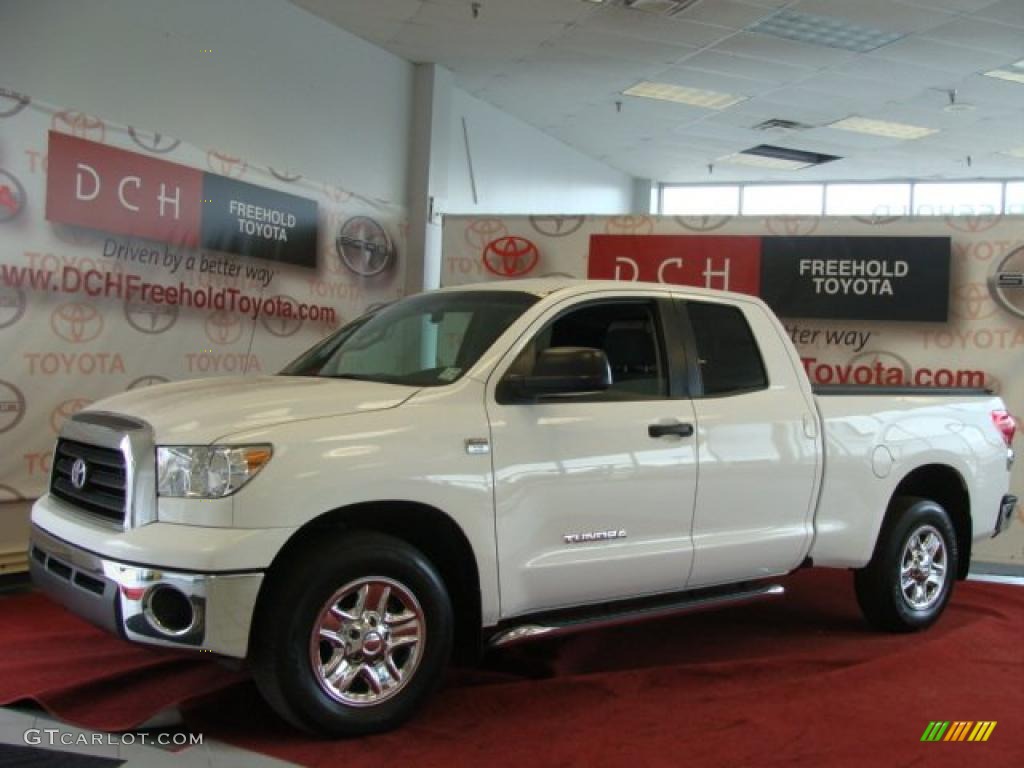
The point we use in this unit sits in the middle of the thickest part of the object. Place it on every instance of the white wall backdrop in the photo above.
(278, 84)
(519, 169)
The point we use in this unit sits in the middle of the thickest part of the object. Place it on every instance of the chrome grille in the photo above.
(104, 490)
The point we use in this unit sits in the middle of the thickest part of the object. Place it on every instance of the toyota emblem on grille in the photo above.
(79, 474)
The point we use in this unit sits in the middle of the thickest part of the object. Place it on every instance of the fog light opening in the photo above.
(169, 611)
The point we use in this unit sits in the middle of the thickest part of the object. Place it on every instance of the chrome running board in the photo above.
(700, 600)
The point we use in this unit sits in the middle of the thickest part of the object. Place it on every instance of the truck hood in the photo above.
(203, 410)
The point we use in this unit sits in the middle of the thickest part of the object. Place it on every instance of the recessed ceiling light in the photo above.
(757, 161)
(1015, 152)
(882, 128)
(779, 158)
(824, 30)
(1014, 76)
(695, 97)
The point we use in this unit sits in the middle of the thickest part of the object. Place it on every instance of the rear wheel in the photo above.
(910, 578)
(351, 638)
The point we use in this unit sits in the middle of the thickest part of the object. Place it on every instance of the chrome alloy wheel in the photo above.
(923, 568)
(367, 641)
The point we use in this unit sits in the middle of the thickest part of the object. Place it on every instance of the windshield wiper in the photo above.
(380, 378)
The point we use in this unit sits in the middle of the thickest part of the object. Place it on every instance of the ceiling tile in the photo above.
(940, 55)
(727, 13)
(727, 64)
(877, 14)
(649, 26)
(588, 40)
(784, 51)
(1005, 12)
(983, 35)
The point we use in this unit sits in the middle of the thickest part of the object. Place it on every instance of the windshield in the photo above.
(424, 341)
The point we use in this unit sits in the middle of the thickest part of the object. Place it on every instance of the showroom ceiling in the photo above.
(564, 65)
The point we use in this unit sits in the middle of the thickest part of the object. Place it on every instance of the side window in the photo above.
(730, 361)
(627, 332)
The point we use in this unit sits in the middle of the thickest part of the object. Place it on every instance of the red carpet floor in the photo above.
(797, 681)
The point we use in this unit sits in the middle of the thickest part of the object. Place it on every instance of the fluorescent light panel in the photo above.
(1015, 152)
(694, 97)
(1014, 76)
(824, 30)
(759, 161)
(882, 128)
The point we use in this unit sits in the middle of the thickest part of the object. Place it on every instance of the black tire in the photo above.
(284, 659)
(879, 585)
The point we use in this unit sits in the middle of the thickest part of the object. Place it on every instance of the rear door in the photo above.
(594, 500)
(757, 445)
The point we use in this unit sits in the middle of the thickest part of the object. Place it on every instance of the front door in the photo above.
(592, 503)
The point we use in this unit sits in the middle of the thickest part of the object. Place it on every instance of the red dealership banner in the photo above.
(101, 187)
(726, 263)
(859, 278)
(113, 190)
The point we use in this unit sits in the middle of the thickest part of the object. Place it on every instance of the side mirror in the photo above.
(560, 371)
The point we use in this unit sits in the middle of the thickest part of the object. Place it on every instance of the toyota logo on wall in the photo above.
(1006, 282)
(12, 196)
(972, 302)
(153, 142)
(225, 164)
(76, 322)
(282, 326)
(364, 247)
(80, 124)
(702, 223)
(12, 305)
(150, 318)
(557, 226)
(12, 102)
(284, 175)
(12, 406)
(223, 327)
(981, 222)
(480, 232)
(791, 226)
(510, 256)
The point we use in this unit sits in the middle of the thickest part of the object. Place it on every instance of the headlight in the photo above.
(207, 472)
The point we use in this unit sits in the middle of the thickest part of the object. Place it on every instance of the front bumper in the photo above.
(211, 612)
(1006, 507)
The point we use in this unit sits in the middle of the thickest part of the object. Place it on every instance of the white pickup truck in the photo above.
(487, 465)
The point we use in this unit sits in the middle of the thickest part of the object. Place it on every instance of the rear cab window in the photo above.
(728, 358)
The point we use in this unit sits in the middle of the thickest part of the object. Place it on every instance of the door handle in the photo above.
(677, 428)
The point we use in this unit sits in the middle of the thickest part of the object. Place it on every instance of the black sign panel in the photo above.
(255, 221)
(857, 278)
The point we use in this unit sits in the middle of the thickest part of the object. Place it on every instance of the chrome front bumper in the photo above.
(122, 597)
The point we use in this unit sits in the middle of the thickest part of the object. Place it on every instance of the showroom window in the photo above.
(702, 200)
(867, 199)
(783, 199)
(958, 198)
(852, 198)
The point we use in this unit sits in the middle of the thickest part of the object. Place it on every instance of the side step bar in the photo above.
(701, 600)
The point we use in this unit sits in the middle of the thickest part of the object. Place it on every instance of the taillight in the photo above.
(1006, 425)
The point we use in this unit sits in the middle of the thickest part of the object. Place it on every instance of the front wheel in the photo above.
(910, 578)
(351, 638)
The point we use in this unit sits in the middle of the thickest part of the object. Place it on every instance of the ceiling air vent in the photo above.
(777, 124)
(661, 7)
